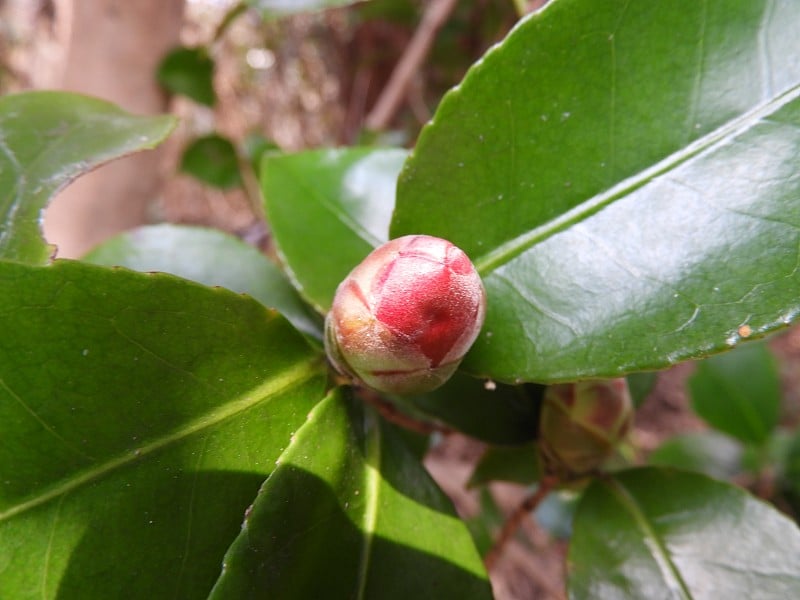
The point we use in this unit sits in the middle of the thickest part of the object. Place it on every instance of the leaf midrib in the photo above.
(509, 250)
(372, 495)
(294, 375)
(659, 551)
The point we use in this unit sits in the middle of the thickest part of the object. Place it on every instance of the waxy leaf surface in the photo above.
(139, 415)
(47, 139)
(664, 534)
(350, 513)
(624, 175)
(210, 257)
(328, 209)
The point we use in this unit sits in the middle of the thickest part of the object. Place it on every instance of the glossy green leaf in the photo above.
(47, 139)
(663, 534)
(189, 72)
(494, 413)
(517, 464)
(349, 513)
(739, 393)
(213, 160)
(328, 209)
(210, 257)
(139, 414)
(709, 452)
(624, 175)
(278, 8)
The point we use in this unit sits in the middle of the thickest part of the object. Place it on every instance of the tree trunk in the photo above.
(113, 49)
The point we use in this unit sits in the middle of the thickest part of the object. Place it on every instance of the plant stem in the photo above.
(436, 13)
(510, 527)
(391, 413)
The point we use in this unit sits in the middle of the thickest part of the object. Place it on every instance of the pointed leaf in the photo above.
(210, 257)
(328, 209)
(658, 533)
(47, 139)
(739, 393)
(624, 175)
(640, 385)
(139, 414)
(349, 513)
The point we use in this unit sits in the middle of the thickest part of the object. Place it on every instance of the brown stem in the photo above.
(513, 522)
(390, 412)
(395, 91)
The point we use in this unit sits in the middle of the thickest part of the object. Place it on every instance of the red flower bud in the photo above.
(404, 318)
(582, 423)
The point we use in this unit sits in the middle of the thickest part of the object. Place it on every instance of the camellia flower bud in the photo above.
(582, 423)
(404, 318)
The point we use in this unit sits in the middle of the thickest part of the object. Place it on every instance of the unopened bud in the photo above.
(404, 318)
(582, 423)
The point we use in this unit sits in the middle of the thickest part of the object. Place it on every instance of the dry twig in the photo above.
(396, 89)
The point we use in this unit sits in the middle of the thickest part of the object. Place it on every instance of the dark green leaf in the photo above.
(495, 413)
(656, 533)
(210, 257)
(624, 175)
(739, 392)
(349, 513)
(47, 139)
(189, 72)
(640, 386)
(518, 464)
(708, 452)
(278, 8)
(328, 209)
(139, 415)
(212, 159)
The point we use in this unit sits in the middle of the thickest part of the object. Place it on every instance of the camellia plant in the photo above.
(616, 183)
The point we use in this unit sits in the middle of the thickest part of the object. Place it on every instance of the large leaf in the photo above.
(207, 256)
(139, 415)
(657, 533)
(739, 392)
(624, 174)
(328, 209)
(277, 8)
(46, 140)
(350, 513)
